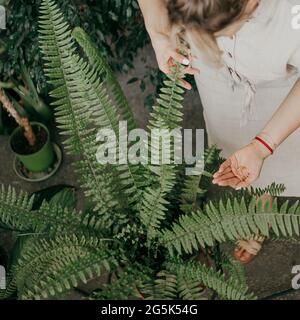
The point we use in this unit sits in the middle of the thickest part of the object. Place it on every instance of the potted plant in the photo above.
(35, 154)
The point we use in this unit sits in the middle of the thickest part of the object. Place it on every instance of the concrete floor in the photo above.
(270, 272)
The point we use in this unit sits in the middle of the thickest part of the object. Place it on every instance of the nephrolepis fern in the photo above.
(59, 264)
(74, 105)
(166, 115)
(231, 220)
(61, 247)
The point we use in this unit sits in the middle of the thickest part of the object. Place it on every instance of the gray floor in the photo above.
(270, 272)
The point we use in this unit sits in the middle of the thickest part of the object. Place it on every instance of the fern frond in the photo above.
(166, 115)
(232, 220)
(48, 267)
(233, 267)
(74, 105)
(17, 214)
(15, 209)
(189, 289)
(273, 190)
(102, 67)
(193, 189)
(11, 288)
(163, 288)
(226, 288)
(125, 284)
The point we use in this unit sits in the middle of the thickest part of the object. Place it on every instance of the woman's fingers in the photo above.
(192, 71)
(185, 84)
(243, 184)
(232, 182)
(218, 174)
(225, 176)
(235, 168)
(180, 58)
(226, 164)
(189, 70)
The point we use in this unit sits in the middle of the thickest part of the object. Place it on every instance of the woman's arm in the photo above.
(156, 17)
(158, 26)
(284, 122)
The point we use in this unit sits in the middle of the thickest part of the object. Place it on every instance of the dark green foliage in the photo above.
(115, 26)
(231, 220)
(125, 284)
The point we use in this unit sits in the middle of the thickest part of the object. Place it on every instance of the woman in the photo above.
(247, 72)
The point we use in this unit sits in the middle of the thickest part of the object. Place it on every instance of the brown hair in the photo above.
(203, 18)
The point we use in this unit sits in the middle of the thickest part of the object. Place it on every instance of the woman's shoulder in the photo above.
(283, 16)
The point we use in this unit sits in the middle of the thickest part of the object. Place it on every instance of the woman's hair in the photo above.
(203, 18)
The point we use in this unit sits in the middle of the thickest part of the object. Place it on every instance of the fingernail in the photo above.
(239, 188)
(186, 62)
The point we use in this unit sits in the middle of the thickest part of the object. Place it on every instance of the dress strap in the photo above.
(247, 109)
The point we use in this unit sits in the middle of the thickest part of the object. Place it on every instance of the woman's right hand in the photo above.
(166, 55)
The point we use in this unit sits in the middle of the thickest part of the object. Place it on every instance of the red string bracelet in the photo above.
(264, 143)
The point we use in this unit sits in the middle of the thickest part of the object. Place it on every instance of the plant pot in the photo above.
(41, 158)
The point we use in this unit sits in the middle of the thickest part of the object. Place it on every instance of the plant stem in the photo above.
(23, 122)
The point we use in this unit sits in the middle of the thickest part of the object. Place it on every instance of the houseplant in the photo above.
(30, 141)
(143, 225)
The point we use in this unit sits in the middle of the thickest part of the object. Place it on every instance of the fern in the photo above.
(172, 286)
(232, 220)
(58, 248)
(192, 190)
(59, 264)
(163, 288)
(50, 218)
(229, 289)
(166, 115)
(11, 207)
(234, 269)
(190, 289)
(103, 68)
(187, 280)
(131, 176)
(125, 284)
(273, 190)
(74, 105)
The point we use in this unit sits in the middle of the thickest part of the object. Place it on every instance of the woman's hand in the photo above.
(243, 167)
(166, 55)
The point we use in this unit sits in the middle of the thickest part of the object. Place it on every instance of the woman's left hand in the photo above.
(243, 167)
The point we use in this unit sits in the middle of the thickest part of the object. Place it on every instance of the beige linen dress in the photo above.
(261, 65)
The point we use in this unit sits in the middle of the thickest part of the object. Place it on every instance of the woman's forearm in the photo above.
(286, 119)
(156, 16)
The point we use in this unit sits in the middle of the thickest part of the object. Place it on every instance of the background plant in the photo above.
(115, 26)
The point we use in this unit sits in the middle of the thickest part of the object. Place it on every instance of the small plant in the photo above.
(30, 141)
(147, 225)
(21, 121)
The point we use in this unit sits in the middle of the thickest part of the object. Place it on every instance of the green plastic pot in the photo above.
(40, 160)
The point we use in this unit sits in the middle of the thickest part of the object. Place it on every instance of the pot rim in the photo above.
(33, 123)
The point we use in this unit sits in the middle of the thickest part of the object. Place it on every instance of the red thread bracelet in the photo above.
(265, 144)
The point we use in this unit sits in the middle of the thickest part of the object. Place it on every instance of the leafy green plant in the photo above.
(133, 229)
(115, 26)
